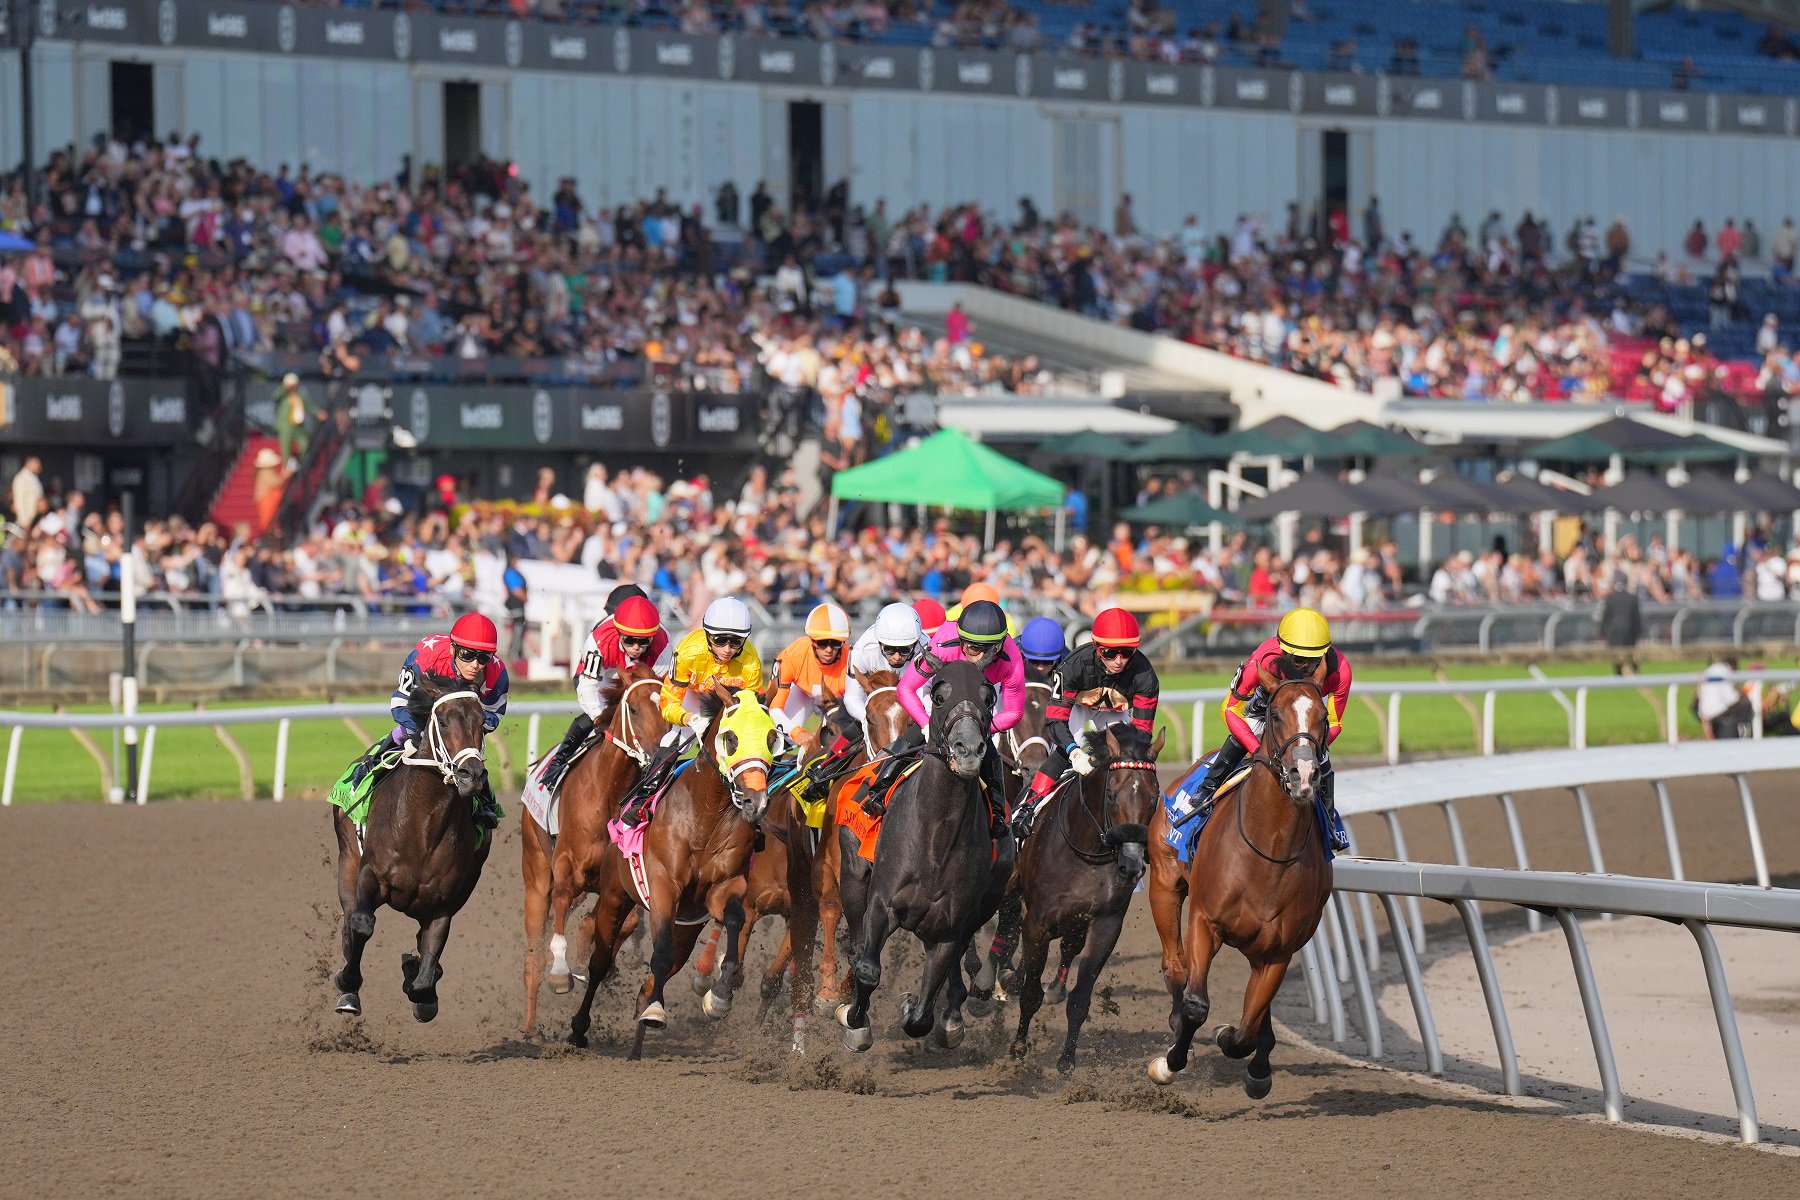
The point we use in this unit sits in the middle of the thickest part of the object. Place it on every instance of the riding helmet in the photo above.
(1041, 640)
(1116, 627)
(979, 591)
(621, 594)
(637, 617)
(931, 615)
(1303, 633)
(898, 625)
(828, 623)
(981, 621)
(729, 615)
(473, 631)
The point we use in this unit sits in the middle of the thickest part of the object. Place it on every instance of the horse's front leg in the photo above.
(1027, 985)
(727, 900)
(1102, 935)
(1166, 887)
(537, 869)
(1255, 1034)
(358, 895)
(877, 927)
(670, 945)
(422, 971)
(1192, 1005)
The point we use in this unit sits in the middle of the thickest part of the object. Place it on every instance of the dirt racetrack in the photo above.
(167, 1027)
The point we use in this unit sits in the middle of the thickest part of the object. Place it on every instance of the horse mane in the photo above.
(1134, 743)
(426, 691)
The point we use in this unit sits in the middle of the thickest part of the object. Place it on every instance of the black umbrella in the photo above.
(1366, 440)
(1182, 510)
(1323, 496)
(1712, 492)
(1635, 493)
(1088, 443)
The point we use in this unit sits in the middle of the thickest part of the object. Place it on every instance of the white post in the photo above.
(128, 695)
(1740, 528)
(987, 541)
(143, 779)
(1673, 529)
(1425, 543)
(1546, 529)
(282, 728)
(1286, 526)
(532, 728)
(12, 765)
(1062, 518)
(1393, 729)
(831, 516)
(115, 687)
(1215, 536)
(1356, 531)
(1611, 527)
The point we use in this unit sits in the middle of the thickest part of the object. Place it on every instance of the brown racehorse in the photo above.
(1259, 881)
(1024, 749)
(883, 720)
(421, 852)
(559, 871)
(1077, 871)
(695, 852)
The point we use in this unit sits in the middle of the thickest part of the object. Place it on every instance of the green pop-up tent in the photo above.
(950, 471)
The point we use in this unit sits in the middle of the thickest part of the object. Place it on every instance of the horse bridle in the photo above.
(440, 757)
(956, 712)
(1015, 763)
(868, 738)
(1103, 823)
(1277, 764)
(631, 745)
(738, 768)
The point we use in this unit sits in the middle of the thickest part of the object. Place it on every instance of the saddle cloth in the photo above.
(540, 801)
(353, 791)
(850, 796)
(1186, 822)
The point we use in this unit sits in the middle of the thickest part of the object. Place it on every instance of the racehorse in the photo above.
(694, 854)
(1258, 881)
(1024, 749)
(420, 852)
(1025, 746)
(559, 871)
(935, 862)
(1077, 872)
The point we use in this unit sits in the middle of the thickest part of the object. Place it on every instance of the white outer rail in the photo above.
(1695, 906)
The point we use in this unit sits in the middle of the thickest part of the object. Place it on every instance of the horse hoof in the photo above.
(425, 1013)
(715, 1005)
(842, 1013)
(1223, 1035)
(701, 984)
(771, 986)
(1065, 1063)
(1257, 1086)
(1018, 1048)
(654, 1016)
(1056, 994)
(1008, 982)
(859, 1040)
(559, 983)
(984, 978)
(578, 1040)
(949, 1037)
(979, 1004)
(1160, 1072)
(350, 1004)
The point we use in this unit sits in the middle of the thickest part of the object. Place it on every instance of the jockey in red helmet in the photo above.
(630, 634)
(467, 656)
(1104, 682)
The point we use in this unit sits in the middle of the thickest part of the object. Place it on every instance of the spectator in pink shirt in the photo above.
(301, 246)
(956, 325)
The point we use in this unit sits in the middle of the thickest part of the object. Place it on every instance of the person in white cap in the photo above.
(291, 411)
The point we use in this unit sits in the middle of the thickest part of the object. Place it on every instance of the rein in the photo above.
(1102, 822)
(631, 745)
(439, 756)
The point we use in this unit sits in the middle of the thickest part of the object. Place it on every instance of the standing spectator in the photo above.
(1124, 222)
(291, 419)
(28, 492)
(513, 580)
(1622, 622)
(1373, 234)
(1730, 241)
(1752, 240)
(1695, 243)
(1782, 247)
(1618, 243)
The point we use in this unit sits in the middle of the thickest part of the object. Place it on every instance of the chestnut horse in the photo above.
(559, 871)
(1076, 873)
(696, 849)
(1259, 881)
(421, 852)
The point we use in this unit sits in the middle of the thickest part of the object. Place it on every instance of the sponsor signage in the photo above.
(452, 416)
(97, 413)
(268, 27)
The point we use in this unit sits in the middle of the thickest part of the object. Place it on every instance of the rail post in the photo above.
(1393, 729)
(12, 765)
(1579, 735)
(1470, 912)
(1596, 1015)
(282, 728)
(1487, 721)
(1726, 1016)
(128, 634)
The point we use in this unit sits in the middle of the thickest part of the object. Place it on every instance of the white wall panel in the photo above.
(10, 150)
(496, 141)
(428, 121)
(170, 96)
(94, 102)
(243, 97)
(53, 80)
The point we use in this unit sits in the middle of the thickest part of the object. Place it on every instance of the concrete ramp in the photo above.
(1012, 325)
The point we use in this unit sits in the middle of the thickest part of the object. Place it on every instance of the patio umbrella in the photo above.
(1181, 510)
(1087, 443)
(1184, 443)
(1323, 496)
(1366, 440)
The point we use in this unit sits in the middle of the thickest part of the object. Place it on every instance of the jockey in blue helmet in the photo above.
(1041, 643)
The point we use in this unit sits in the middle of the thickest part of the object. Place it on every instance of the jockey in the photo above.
(813, 671)
(629, 635)
(980, 591)
(894, 640)
(719, 652)
(1300, 641)
(979, 637)
(1041, 643)
(1105, 682)
(466, 657)
(931, 615)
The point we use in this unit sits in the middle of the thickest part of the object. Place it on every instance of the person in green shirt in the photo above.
(292, 414)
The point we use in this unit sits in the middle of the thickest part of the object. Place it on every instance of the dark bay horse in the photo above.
(1259, 881)
(934, 864)
(1024, 748)
(1077, 871)
(695, 852)
(421, 852)
(559, 871)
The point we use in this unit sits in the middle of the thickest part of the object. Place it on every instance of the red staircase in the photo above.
(236, 502)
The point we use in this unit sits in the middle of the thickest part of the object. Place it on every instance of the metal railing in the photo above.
(1572, 694)
(1202, 700)
(1547, 626)
(1695, 906)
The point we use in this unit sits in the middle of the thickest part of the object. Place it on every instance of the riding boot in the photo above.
(487, 809)
(904, 749)
(1334, 824)
(825, 770)
(1223, 764)
(1036, 792)
(631, 808)
(557, 764)
(993, 779)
